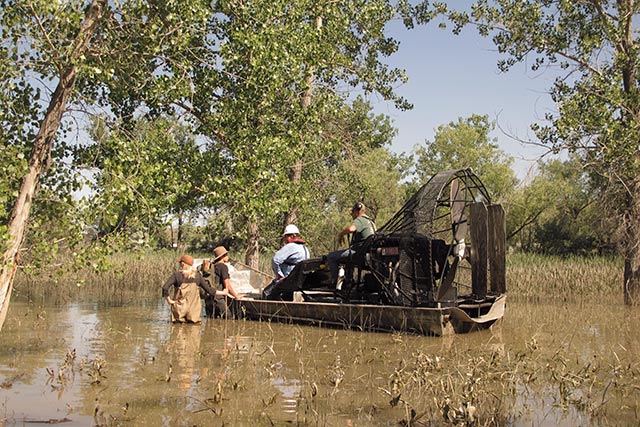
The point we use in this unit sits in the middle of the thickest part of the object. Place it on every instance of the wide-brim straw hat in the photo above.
(219, 252)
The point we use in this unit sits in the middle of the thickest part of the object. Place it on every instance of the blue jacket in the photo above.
(287, 257)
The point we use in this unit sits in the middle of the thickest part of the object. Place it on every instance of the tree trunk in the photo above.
(295, 177)
(252, 256)
(296, 171)
(631, 216)
(37, 161)
(632, 247)
(179, 244)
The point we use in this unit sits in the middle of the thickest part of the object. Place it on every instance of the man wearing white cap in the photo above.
(291, 253)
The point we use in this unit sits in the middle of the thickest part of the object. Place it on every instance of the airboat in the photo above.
(437, 267)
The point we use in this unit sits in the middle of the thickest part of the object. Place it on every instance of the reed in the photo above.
(119, 277)
(543, 278)
(497, 386)
(123, 276)
(530, 278)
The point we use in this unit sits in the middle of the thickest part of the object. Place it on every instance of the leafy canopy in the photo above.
(466, 144)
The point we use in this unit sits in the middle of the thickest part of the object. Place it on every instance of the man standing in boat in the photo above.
(293, 251)
(361, 228)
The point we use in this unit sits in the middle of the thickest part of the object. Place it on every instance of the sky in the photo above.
(456, 76)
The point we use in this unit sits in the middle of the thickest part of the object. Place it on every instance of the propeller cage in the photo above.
(436, 250)
(423, 254)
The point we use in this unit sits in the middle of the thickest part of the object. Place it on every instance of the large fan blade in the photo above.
(446, 283)
(458, 217)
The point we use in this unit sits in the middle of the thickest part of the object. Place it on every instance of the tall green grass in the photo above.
(125, 275)
(530, 278)
(533, 277)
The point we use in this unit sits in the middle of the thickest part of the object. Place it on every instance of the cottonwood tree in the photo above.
(54, 55)
(466, 143)
(142, 177)
(363, 169)
(288, 66)
(559, 212)
(593, 47)
(42, 130)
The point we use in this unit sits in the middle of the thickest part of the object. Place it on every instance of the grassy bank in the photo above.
(530, 278)
(540, 278)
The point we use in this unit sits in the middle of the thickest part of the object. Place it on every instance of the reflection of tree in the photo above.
(183, 347)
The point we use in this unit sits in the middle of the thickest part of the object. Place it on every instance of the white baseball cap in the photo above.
(291, 229)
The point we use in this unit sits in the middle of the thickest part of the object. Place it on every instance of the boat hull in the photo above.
(385, 318)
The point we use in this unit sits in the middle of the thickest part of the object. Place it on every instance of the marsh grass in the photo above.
(118, 278)
(545, 368)
(489, 386)
(540, 382)
(127, 275)
(493, 387)
(339, 379)
(541, 278)
(530, 278)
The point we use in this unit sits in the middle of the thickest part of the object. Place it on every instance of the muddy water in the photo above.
(100, 365)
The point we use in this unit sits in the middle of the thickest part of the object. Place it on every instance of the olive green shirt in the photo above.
(365, 228)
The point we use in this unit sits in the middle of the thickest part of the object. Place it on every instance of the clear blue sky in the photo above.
(456, 76)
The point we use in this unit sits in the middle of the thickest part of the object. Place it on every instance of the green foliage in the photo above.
(281, 104)
(142, 177)
(35, 46)
(260, 86)
(147, 56)
(139, 57)
(560, 212)
(593, 48)
(466, 144)
(372, 176)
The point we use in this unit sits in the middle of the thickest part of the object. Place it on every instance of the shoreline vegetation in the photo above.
(539, 375)
(530, 278)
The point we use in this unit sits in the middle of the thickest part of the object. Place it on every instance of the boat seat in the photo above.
(308, 274)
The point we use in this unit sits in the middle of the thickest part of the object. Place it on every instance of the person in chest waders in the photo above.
(187, 282)
(220, 278)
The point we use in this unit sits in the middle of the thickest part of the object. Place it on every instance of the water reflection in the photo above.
(184, 346)
(131, 366)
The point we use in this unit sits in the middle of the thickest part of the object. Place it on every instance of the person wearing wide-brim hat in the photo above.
(220, 279)
(187, 282)
(218, 253)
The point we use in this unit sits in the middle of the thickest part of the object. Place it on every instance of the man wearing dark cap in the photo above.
(361, 228)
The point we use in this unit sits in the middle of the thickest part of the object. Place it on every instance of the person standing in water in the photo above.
(220, 279)
(185, 303)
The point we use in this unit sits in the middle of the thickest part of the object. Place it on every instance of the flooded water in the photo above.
(100, 365)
